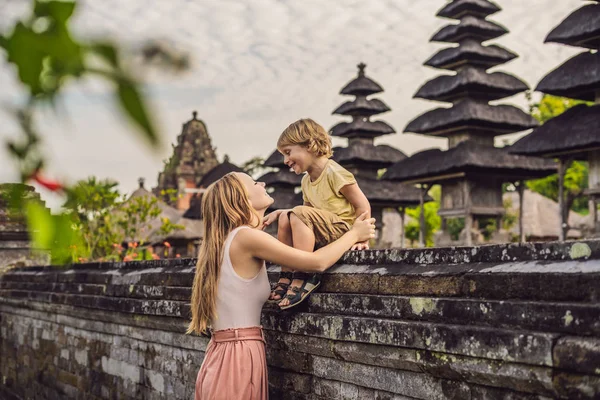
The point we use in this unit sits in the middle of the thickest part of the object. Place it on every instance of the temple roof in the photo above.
(577, 78)
(380, 156)
(362, 107)
(470, 52)
(285, 199)
(469, 27)
(275, 160)
(581, 28)
(471, 82)
(361, 85)
(361, 128)
(389, 194)
(218, 172)
(459, 8)
(575, 130)
(281, 178)
(469, 158)
(471, 115)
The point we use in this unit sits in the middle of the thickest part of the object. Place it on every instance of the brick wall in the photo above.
(494, 322)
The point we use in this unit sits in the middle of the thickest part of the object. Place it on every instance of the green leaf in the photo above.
(41, 225)
(107, 51)
(132, 103)
(61, 11)
(21, 48)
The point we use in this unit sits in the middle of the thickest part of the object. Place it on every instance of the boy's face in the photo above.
(297, 157)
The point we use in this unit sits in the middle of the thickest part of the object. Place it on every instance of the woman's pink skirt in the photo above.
(234, 366)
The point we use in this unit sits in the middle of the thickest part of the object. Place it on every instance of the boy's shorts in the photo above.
(327, 226)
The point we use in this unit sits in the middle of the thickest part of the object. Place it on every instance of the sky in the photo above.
(255, 67)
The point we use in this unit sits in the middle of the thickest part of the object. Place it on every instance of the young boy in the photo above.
(332, 201)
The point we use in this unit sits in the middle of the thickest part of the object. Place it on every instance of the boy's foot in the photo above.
(297, 294)
(281, 288)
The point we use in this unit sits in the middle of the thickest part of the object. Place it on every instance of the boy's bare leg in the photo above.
(284, 235)
(303, 238)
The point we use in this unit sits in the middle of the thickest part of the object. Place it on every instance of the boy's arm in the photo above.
(359, 201)
(357, 198)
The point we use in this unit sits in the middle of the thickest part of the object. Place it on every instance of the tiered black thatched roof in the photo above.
(361, 85)
(362, 107)
(361, 154)
(218, 172)
(471, 82)
(577, 78)
(281, 178)
(469, 27)
(285, 199)
(386, 194)
(470, 52)
(459, 8)
(361, 128)
(472, 116)
(581, 28)
(469, 158)
(275, 160)
(357, 154)
(471, 87)
(575, 130)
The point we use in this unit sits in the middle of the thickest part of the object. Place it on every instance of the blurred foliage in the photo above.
(46, 57)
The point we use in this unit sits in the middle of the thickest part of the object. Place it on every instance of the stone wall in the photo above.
(495, 322)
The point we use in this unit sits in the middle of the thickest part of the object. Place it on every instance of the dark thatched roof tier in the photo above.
(362, 107)
(471, 82)
(361, 85)
(472, 116)
(469, 158)
(380, 156)
(577, 129)
(285, 199)
(470, 52)
(281, 178)
(361, 128)
(218, 172)
(459, 8)
(577, 78)
(581, 28)
(195, 210)
(469, 28)
(382, 193)
(275, 160)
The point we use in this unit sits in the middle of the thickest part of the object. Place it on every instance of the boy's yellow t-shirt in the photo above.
(324, 192)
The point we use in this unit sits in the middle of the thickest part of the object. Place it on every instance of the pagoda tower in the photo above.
(362, 157)
(575, 134)
(282, 183)
(471, 172)
(193, 156)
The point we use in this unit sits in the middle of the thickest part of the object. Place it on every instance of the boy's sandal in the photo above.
(281, 288)
(310, 284)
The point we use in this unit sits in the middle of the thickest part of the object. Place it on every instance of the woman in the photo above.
(231, 284)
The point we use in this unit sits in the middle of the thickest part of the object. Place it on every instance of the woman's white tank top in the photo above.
(239, 300)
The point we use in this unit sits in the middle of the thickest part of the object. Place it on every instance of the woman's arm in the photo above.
(263, 246)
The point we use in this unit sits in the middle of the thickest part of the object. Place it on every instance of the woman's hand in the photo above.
(364, 227)
(269, 219)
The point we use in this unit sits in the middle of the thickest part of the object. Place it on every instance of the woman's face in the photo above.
(258, 196)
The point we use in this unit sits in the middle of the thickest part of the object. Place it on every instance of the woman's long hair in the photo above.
(225, 206)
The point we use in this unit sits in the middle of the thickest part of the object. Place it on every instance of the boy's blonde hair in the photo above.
(307, 133)
(225, 206)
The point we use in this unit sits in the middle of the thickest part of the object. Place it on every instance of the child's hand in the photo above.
(269, 219)
(361, 246)
(364, 227)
